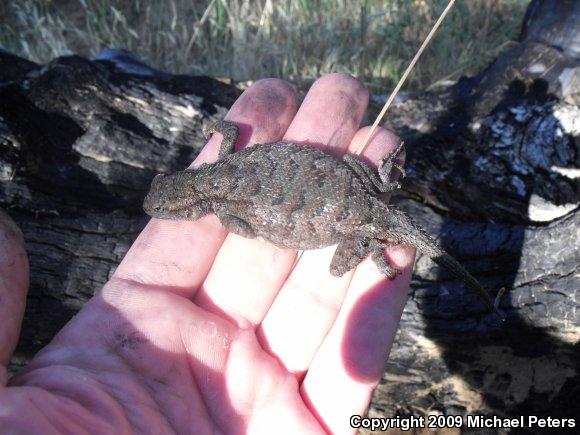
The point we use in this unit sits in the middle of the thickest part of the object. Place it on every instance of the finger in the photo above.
(177, 255)
(13, 288)
(350, 361)
(307, 306)
(247, 274)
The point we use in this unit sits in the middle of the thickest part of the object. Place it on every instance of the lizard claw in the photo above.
(207, 131)
(391, 275)
(401, 170)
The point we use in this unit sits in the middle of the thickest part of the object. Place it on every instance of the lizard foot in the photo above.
(230, 133)
(386, 167)
(385, 268)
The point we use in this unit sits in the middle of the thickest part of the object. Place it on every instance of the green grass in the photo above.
(249, 39)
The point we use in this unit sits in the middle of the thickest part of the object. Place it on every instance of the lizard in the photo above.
(299, 197)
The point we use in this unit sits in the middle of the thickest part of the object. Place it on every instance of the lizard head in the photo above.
(175, 196)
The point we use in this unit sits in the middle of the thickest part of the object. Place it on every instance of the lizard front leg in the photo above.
(230, 133)
(235, 224)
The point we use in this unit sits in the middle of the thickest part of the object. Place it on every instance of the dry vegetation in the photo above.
(249, 39)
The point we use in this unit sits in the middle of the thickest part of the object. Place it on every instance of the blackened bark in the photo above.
(493, 168)
(80, 142)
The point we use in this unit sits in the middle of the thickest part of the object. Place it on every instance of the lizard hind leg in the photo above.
(376, 181)
(351, 252)
(387, 165)
(368, 175)
(230, 133)
(348, 255)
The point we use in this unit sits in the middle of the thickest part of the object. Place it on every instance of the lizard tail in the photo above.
(407, 232)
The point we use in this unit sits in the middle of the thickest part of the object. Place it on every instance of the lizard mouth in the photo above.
(159, 201)
(176, 209)
(150, 207)
(155, 208)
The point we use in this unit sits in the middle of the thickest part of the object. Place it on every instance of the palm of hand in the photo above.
(199, 331)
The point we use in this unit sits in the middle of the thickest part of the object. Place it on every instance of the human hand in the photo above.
(200, 331)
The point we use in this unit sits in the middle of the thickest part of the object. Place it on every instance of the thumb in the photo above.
(13, 288)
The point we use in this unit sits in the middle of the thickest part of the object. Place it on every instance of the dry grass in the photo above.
(249, 39)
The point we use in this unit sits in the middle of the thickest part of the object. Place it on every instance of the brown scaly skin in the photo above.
(298, 197)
